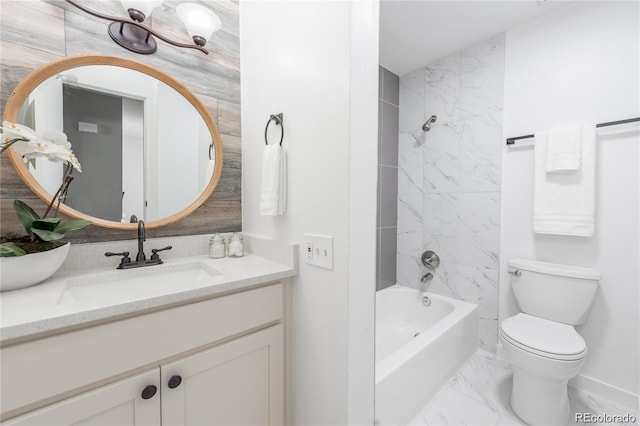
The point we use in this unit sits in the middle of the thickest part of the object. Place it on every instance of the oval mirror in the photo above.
(147, 145)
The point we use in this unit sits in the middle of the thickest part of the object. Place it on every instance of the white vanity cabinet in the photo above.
(219, 361)
(119, 403)
(239, 383)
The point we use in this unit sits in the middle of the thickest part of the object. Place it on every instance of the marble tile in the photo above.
(441, 158)
(410, 167)
(451, 407)
(441, 225)
(409, 213)
(584, 402)
(411, 101)
(409, 268)
(479, 394)
(442, 89)
(463, 228)
(474, 285)
(478, 239)
(488, 334)
(454, 169)
(480, 154)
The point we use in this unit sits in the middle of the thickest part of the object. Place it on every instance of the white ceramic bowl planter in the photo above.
(24, 271)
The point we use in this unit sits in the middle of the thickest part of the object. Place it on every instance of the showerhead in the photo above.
(427, 125)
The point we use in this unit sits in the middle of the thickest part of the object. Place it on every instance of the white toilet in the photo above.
(540, 342)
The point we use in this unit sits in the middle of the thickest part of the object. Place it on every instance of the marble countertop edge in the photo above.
(35, 312)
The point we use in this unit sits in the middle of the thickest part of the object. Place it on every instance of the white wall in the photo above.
(581, 64)
(294, 62)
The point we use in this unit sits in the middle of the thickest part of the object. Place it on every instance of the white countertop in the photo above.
(46, 308)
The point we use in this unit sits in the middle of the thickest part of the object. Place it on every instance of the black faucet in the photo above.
(141, 239)
(141, 259)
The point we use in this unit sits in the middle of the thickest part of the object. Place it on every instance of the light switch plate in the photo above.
(318, 250)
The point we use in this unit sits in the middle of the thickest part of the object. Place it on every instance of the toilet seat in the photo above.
(542, 337)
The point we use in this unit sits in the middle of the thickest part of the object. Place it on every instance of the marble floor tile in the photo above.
(479, 395)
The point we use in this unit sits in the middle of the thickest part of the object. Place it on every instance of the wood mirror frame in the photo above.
(35, 78)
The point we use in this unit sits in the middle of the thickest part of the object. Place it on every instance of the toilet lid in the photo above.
(547, 338)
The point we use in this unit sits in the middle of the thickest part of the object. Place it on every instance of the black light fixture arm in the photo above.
(123, 21)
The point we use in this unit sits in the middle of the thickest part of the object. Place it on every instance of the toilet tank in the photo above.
(561, 293)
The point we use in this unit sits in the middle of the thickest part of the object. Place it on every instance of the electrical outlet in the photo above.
(319, 251)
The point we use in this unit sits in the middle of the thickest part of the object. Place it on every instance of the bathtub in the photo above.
(418, 348)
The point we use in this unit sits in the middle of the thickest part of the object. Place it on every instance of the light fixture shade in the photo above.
(199, 20)
(144, 6)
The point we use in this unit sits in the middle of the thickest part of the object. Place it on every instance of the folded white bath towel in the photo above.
(564, 203)
(564, 149)
(273, 196)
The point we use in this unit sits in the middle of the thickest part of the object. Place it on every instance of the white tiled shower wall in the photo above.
(449, 177)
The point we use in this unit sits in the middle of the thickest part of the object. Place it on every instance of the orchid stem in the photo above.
(6, 145)
(62, 191)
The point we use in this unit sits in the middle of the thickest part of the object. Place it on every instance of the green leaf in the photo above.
(71, 225)
(46, 224)
(26, 215)
(45, 235)
(11, 250)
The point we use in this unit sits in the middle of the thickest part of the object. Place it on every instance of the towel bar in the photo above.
(511, 141)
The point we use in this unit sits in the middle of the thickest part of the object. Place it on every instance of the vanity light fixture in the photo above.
(133, 35)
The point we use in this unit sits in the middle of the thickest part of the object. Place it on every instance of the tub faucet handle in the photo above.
(430, 259)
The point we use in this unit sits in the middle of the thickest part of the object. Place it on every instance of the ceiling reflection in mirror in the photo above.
(145, 150)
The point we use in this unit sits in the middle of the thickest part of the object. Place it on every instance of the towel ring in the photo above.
(278, 119)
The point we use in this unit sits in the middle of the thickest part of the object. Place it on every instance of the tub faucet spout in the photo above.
(426, 277)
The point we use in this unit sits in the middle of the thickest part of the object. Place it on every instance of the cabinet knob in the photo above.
(174, 382)
(149, 391)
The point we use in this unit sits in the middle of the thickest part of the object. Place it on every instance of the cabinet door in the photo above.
(237, 383)
(120, 403)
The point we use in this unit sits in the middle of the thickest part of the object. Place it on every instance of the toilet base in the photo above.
(539, 400)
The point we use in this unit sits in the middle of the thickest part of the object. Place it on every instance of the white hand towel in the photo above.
(274, 178)
(564, 203)
(564, 149)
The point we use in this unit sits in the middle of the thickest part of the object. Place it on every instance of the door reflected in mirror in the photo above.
(148, 146)
(145, 150)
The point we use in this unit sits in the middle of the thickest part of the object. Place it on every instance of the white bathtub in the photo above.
(418, 348)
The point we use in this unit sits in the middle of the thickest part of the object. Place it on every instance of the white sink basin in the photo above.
(119, 286)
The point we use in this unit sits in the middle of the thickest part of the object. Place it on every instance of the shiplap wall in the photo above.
(36, 32)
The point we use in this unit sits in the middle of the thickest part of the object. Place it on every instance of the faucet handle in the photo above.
(124, 254)
(155, 255)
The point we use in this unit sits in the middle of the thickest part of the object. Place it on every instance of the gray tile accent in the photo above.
(391, 87)
(388, 247)
(380, 121)
(380, 80)
(387, 211)
(389, 152)
(378, 261)
(388, 202)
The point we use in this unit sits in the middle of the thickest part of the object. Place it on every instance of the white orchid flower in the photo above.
(56, 137)
(51, 144)
(14, 130)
